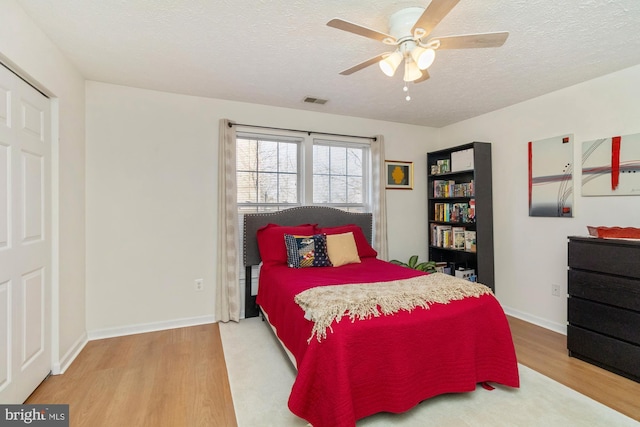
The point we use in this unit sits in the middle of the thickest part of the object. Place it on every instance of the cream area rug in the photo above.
(261, 376)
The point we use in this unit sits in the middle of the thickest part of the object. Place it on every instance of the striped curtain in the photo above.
(227, 304)
(378, 199)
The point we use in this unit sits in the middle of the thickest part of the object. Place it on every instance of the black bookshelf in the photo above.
(448, 194)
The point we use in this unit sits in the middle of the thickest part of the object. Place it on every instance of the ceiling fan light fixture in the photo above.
(409, 31)
(411, 71)
(389, 65)
(423, 57)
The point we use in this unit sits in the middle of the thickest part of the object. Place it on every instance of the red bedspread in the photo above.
(388, 363)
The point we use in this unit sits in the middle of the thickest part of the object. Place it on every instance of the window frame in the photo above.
(252, 207)
(365, 205)
(306, 144)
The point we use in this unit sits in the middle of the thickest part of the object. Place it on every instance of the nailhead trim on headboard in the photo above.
(324, 216)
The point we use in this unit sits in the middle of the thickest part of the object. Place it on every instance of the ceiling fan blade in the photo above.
(364, 64)
(350, 27)
(432, 15)
(471, 41)
(425, 76)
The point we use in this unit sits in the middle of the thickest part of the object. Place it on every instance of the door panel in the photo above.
(25, 247)
(32, 196)
(5, 192)
(5, 333)
(32, 327)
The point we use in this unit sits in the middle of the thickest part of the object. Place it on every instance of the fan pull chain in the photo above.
(406, 90)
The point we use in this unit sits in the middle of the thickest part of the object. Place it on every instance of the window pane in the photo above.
(247, 187)
(288, 157)
(354, 161)
(338, 189)
(354, 189)
(320, 159)
(288, 188)
(338, 161)
(267, 188)
(321, 192)
(246, 158)
(268, 156)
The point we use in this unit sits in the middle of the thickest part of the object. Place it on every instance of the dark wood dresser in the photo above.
(604, 304)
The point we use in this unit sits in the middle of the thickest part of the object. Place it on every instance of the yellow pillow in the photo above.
(342, 249)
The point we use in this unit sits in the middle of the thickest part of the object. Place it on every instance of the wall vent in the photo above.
(312, 100)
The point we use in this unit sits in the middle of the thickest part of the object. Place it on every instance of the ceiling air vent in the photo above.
(312, 100)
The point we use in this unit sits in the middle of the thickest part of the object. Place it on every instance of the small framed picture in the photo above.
(399, 174)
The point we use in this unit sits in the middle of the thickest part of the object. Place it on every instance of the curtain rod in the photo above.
(308, 132)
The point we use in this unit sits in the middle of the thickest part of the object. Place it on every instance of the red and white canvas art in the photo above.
(611, 166)
(551, 177)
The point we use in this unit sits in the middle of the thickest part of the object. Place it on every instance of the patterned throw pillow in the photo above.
(307, 251)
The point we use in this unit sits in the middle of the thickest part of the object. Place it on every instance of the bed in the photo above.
(384, 363)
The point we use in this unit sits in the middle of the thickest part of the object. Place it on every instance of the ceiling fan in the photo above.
(409, 31)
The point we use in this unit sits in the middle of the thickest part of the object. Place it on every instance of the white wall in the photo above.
(152, 191)
(531, 252)
(27, 49)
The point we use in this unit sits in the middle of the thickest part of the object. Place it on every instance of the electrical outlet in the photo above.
(199, 284)
(555, 290)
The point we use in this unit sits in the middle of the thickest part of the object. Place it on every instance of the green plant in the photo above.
(428, 266)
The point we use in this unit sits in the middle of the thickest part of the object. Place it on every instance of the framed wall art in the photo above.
(399, 174)
(611, 166)
(551, 177)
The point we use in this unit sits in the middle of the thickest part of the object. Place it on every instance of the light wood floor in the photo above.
(169, 378)
(545, 351)
(178, 378)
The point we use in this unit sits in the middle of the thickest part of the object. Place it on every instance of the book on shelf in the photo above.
(446, 238)
(458, 237)
(452, 212)
(443, 166)
(449, 188)
(441, 236)
(470, 241)
(472, 211)
(433, 235)
(459, 212)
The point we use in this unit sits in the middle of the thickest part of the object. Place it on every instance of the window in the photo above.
(340, 175)
(277, 172)
(267, 171)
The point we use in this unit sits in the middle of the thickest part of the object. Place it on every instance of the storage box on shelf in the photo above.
(461, 209)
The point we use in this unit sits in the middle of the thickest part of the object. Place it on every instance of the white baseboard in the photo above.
(70, 356)
(544, 323)
(149, 327)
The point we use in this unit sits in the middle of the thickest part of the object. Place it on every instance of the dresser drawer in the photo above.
(605, 319)
(617, 257)
(608, 353)
(614, 290)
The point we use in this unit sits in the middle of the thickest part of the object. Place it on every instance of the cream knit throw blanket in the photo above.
(324, 304)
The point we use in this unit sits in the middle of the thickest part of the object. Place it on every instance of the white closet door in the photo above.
(25, 238)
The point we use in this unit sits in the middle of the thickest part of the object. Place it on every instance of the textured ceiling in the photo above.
(278, 52)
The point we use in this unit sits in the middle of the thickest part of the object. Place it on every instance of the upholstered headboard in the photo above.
(322, 215)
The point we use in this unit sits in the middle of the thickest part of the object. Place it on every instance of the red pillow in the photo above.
(271, 240)
(364, 248)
